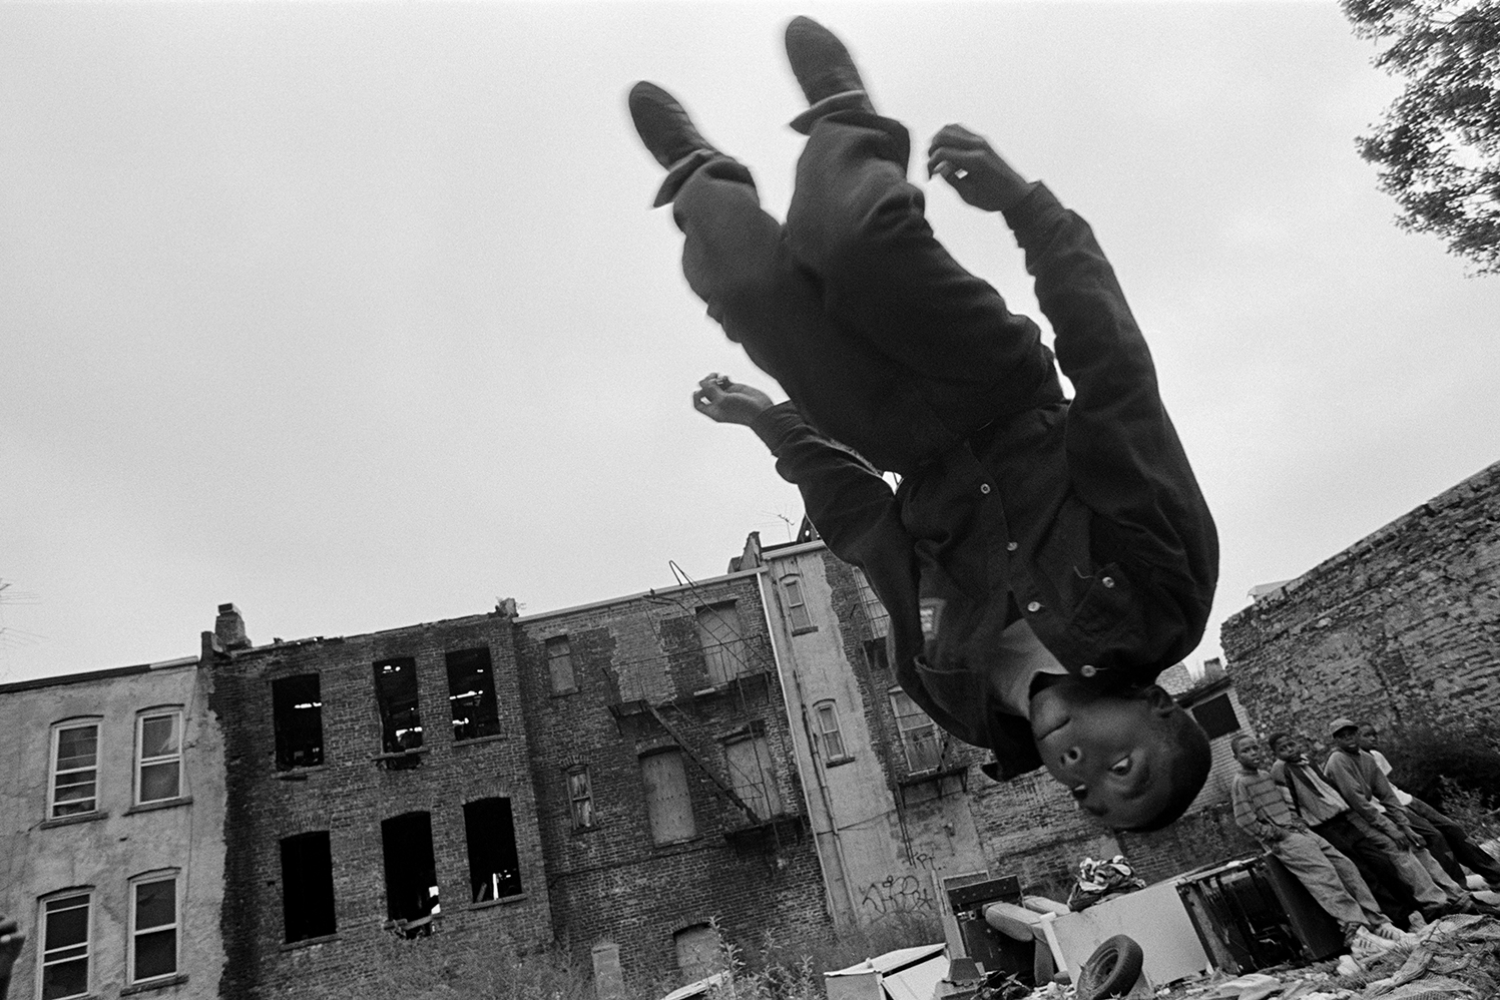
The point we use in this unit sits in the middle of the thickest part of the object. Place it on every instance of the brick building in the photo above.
(112, 806)
(1401, 628)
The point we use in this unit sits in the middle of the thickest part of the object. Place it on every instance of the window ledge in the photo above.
(668, 844)
(299, 773)
(155, 984)
(838, 761)
(309, 942)
(564, 694)
(413, 752)
(497, 738)
(579, 831)
(181, 800)
(519, 897)
(804, 630)
(87, 817)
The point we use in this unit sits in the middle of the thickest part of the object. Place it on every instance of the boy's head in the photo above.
(1345, 733)
(1369, 737)
(1133, 758)
(1286, 746)
(1248, 751)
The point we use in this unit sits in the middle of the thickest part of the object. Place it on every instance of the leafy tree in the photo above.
(1438, 146)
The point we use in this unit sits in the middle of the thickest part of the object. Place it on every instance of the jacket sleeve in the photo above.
(1344, 776)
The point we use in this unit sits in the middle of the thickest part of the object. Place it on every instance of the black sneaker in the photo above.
(820, 61)
(663, 125)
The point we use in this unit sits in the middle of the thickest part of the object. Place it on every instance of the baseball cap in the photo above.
(1341, 723)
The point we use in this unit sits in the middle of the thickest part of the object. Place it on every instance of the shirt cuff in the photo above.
(1031, 213)
(775, 425)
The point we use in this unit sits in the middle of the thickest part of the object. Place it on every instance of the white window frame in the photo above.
(798, 617)
(175, 926)
(142, 762)
(836, 731)
(909, 742)
(44, 963)
(57, 730)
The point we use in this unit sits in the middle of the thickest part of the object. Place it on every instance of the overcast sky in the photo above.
(356, 315)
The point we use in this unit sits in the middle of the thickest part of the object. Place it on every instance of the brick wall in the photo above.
(1401, 628)
(350, 794)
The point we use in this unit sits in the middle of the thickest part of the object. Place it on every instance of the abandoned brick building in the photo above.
(1401, 629)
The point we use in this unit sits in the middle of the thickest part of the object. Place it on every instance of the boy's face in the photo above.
(1288, 748)
(1250, 754)
(1369, 738)
(1347, 739)
(1113, 751)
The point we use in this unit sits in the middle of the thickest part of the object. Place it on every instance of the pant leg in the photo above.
(858, 225)
(1437, 845)
(736, 258)
(1409, 878)
(1354, 883)
(1468, 853)
(1304, 858)
(1377, 871)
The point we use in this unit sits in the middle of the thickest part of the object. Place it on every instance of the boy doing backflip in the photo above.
(1043, 559)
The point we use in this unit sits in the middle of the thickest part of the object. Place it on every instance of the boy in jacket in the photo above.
(1043, 559)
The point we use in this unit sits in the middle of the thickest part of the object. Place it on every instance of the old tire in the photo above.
(1111, 970)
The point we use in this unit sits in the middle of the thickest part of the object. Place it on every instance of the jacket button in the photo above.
(1088, 670)
(984, 487)
(1108, 581)
(1034, 606)
(1012, 546)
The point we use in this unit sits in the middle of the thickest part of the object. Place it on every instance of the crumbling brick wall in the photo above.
(1401, 628)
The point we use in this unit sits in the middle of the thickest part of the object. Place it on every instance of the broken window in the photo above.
(723, 642)
(750, 772)
(297, 714)
(396, 691)
(158, 775)
(560, 665)
(153, 928)
(918, 733)
(581, 797)
(698, 953)
(796, 604)
(75, 769)
(411, 889)
(827, 716)
(1216, 716)
(307, 886)
(66, 946)
(669, 806)
(876, 654)
(494, 866)
(471, 694)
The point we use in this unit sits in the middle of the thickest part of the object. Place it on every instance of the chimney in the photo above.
(229, 628)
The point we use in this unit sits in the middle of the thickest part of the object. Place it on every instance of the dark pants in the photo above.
(1387, 868)
(1457, 850)
(882, 340)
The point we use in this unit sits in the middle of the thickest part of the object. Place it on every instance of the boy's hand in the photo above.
(979, 174)
(726, 402)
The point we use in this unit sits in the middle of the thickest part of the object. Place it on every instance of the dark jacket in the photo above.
(1083, 516)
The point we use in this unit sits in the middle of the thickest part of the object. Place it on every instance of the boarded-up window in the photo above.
(494, 865)
(560, 665)
(669, 807)
(796, 604)
(751, 775)
(723, 642)
(698, 952)
(1216, 716)
(307, 886)
(75, 769)
(411, 889)
(877, 656)
(396, 693)
(826, 714)
(297, 715)
(581, 797)
(471, 694)
(919, 735)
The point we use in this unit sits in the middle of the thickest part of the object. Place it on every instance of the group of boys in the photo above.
(1367, 852)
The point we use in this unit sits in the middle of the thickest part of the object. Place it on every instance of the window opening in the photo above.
(307, 886)
(828, 729)
(1216, 716)
(581, 797)
(918, 733)
(396, 691)
(751, 775)
(297, 714)
(159, 763)
(669, 806)
(471, 694)
(877, 655)
(698, 952)
(75, 770)
(66, 946)
(153, 930)
(494, 865)
(723, 642)
(411, 889)
(796, 603)
(560, 665)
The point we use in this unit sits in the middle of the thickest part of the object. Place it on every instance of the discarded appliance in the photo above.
(904, 974)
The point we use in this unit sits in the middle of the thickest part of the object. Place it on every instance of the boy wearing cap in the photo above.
(1263, 810)
(1043, 559)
